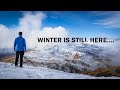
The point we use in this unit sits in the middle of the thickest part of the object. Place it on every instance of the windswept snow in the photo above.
(9, 71)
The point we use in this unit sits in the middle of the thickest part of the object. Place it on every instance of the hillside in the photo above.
(95, 61)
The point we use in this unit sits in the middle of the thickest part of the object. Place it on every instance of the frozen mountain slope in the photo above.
(60, 58)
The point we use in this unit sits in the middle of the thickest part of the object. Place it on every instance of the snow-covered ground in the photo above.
(9, 71)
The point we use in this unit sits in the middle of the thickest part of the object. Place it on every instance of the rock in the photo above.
(118, 70)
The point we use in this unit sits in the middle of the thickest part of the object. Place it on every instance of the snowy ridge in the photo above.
(60, 58)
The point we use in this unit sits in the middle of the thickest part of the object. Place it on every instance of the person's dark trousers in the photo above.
(19, 54)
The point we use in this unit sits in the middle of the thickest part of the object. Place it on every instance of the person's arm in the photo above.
(24, 45)
(14, 44)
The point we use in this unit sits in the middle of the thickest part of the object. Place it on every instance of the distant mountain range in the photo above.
(6, 52)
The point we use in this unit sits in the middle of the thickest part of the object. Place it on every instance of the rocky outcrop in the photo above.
(67, 65)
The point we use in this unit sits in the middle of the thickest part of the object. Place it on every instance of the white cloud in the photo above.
(31, 21)
(111, 19)
(99, 13)
(31, 26)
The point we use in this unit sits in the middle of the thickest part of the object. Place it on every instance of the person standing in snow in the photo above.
(19, 48)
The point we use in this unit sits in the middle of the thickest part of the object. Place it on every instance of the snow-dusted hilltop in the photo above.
(61, 57)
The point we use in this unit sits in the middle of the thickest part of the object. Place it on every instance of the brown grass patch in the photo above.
(9, 59)
(107, 72)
